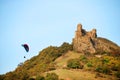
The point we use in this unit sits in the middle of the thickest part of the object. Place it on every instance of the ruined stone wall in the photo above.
(88, 42)
(84, 41)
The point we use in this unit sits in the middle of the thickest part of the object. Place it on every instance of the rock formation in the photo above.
(87, 41)
(83, 41)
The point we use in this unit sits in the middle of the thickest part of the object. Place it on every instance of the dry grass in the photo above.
(78, 75)
(62, 60)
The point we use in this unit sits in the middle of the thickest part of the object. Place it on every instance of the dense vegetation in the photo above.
(38, 64)
(105, 64)
(75, 64)
(49, 76)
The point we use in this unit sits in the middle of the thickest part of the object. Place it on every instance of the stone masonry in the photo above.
(83, 40)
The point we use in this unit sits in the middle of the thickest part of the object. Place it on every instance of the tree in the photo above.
(51, 76)
(40, 78)
(74, 63)
(65, 47)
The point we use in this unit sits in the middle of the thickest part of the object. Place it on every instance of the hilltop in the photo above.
(88, 57)
(88, 42)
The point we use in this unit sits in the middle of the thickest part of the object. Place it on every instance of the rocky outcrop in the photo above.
(83, 41)
(87, 41)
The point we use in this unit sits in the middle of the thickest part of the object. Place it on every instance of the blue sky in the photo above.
(41, 23)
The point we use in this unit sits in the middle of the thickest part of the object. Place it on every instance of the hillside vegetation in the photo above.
(63, 63)
(78, 66)
(112, 47)
(38, 64)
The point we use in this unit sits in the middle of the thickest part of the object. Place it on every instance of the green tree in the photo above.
(40, 78)
(65, 47)
(51, 76)
(89, 64)
(74, 63)
(83, 58)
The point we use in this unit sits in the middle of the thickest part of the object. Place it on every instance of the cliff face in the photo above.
(87, 41)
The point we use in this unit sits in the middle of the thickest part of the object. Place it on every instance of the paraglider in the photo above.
(26, 47)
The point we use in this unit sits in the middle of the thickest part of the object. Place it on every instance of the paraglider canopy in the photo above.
(26, 47)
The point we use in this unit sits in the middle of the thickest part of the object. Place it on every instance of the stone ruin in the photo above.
(84, 40)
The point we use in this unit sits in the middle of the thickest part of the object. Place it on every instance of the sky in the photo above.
(41, 23)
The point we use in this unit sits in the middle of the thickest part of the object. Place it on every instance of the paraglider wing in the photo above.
(26, 47)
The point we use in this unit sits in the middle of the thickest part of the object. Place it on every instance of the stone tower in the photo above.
(83, 40)
(78, 33)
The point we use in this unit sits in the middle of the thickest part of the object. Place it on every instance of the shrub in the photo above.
(31, 78)
(65, 47)
(105, 60)
(74, 63)
(89, 64)
(40, 78)
(101, 52)
(98, 69)
(51, 76)
(24, 76)
(117, 74)
(115, 66)
(83, 58)
(103, 69)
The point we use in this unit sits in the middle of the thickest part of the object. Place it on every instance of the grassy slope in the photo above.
(110, 43)
(74, 74)
(62, 60)
(79, 75)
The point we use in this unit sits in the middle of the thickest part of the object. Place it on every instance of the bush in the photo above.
(117, 74)
(83, 58)
(115, 66)
(24, 76)
(31, 78)
(89, 64)
(40, 78)
(65, 47)
(103, 69)
(51, 76)
(98, 69)
(105, 60)
(74, 63)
